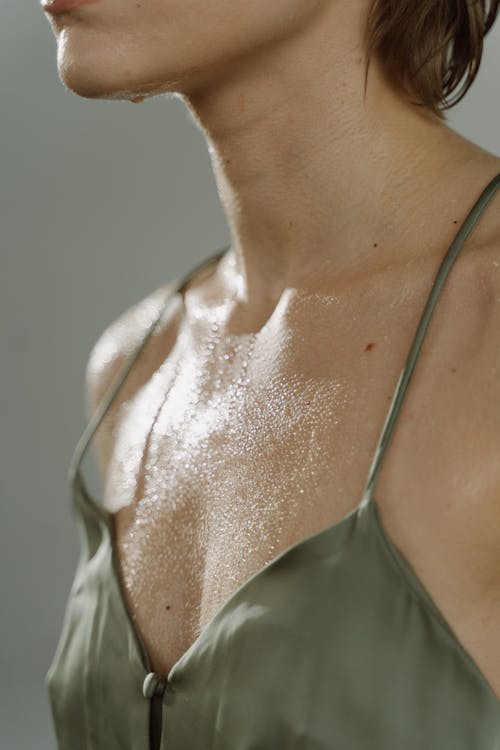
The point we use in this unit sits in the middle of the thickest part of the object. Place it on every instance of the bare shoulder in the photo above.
(487, 398)
(121, 338)
(481, 280)
(476, 323)
(117, 341)
(482, 363)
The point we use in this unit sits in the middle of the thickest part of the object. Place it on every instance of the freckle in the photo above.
(368, 347)
(167, 606)
(308, 403)
(375, 244)
(455, 221)
(453, 369)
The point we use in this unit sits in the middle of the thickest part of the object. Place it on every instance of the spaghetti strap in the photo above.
(406, 374)
(176, 287)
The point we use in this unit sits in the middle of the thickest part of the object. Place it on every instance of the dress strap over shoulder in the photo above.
(404, 379)
(177, 286)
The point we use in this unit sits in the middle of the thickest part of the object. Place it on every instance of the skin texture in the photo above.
(251, 418)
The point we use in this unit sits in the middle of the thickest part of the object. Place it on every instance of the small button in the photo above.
(153, 685)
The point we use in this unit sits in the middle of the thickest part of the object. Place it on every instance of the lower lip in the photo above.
(63, 6)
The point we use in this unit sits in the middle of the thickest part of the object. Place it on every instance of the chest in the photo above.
(239, 448)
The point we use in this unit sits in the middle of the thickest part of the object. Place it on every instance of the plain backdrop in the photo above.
(100, 203)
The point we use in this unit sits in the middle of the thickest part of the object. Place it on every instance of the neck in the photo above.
(315, 177)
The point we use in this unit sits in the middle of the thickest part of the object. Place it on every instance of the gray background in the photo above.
(100, 203)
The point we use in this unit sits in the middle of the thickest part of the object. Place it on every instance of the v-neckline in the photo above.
(367, 505)
(107, 518)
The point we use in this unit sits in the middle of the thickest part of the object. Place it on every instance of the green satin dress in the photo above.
(333, 645)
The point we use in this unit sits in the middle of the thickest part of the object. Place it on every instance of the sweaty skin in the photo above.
(251, 418)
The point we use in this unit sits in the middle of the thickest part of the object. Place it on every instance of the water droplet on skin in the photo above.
(202, 487)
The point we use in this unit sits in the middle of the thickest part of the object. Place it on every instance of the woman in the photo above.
(239, 585)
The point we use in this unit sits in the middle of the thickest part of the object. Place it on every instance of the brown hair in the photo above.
(426, 46)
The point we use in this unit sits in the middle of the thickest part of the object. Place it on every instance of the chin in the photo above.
(104, 87)
(90, 82)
